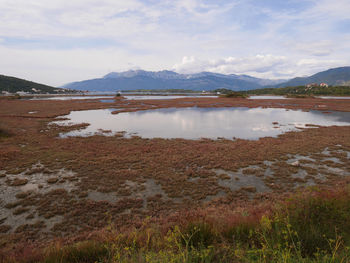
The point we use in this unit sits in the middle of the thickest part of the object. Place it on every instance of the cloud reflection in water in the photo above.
(196, 123)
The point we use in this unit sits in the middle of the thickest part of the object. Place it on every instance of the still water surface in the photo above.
(72, 98)
(196, 123)
(335, 98)
(165, 97)
(128, 97)
(262, 97)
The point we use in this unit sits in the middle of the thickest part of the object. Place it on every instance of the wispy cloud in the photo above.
(84, 38)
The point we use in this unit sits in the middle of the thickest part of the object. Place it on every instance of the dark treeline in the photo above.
(332, 90)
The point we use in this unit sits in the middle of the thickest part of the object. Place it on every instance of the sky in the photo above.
(60, 41)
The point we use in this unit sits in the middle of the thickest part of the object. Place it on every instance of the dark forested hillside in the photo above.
(336, 91)
(335, 76)
(12, 85)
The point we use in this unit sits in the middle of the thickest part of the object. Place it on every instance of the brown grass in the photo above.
(52, 180)
(17, 182)
(104, 164)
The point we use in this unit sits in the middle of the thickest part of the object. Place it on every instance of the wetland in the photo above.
(61, 176)
(197, 123)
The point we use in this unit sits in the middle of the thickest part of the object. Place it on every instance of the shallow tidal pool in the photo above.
(164, 97)
(72, 98)
(196, 123)
(262, 97)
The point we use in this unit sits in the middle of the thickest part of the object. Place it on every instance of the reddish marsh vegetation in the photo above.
(310, 226)
(56, 187)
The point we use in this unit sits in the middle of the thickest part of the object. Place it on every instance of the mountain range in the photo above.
(150, 80)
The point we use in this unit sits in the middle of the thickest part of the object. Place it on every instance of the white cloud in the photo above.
(328, 10)
(68, 18)
(221, 36)
(231, 65)
(319, 48)
(262, 66)
(58, 67)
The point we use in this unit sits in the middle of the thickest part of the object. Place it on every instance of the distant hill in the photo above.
(13, 85)
(302, 90)
(149, 80)
(335, 77)
(163, 80)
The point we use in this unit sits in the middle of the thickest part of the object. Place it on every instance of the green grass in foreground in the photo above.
(312, 226)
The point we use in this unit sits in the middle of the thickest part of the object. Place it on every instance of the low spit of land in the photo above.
(175, 200)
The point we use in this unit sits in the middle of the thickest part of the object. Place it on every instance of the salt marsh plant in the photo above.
(312, 226)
